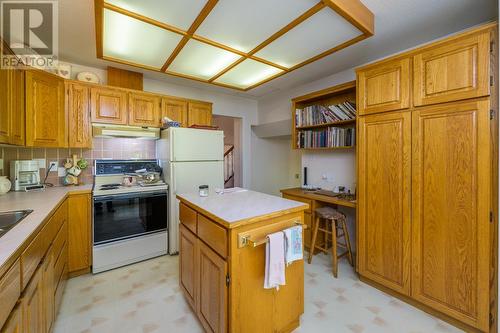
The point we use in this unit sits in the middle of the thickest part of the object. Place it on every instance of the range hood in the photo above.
(104, 130)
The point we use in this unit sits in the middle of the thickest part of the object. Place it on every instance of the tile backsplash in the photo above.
(102, 148)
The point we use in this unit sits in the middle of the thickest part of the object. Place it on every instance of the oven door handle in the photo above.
(130, 196)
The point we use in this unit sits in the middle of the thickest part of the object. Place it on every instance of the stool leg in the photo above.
(313, 242)
(334, 249)
(347, 242)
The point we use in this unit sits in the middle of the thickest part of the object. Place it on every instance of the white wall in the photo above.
(223, 104)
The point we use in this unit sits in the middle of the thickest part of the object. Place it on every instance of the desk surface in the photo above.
(298, 192)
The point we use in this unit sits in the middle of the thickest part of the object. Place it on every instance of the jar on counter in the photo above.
(203, 190)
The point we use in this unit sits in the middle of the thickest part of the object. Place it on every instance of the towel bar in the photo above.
(248, 241)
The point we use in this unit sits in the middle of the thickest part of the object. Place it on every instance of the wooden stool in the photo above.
(335, 226)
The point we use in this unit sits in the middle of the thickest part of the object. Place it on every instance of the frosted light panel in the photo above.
(243, 24)
(202, 60)
(248, 73)
(132, 40)
(179, 13)
(321, 32)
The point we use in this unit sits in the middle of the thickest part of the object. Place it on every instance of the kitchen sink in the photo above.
(9, 219)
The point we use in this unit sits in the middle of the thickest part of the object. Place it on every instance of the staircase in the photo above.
(228, 166)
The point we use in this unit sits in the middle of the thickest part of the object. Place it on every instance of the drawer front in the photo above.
(10, 290)
(187, 216)
(385, 87)
(52, 227)
(453, 71)
(213, 234)
(60, 241)
(31, 257)
(300, 199)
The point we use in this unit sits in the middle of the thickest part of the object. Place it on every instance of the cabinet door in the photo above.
(451, 205)
(212, 290)
(175, 109)
(33, 306)
(17, 110)
(144, 109)
(15, 322)
(48, 290)
(45, 113)
(384, 87)
(199, 113)
(187, 265)
(80, 129)
(108, 105)
(4, 106)
(452, 71)
(79, 233)
(384, 176)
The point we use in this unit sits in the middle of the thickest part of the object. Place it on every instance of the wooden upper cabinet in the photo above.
(451, 206)
(144, 109)
(188, 278)
(175, 109)
(453, 70)
(46, 124)
(199, 113)
(78, 104)
(212, 290)
(17, 111)
(384, 176)
(79, 232)
(384, 87)
(108, 105)
(4, 106)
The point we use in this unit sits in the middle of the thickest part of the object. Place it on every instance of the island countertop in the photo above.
(238, 206)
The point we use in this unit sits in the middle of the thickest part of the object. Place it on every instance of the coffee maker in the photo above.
(25, 175)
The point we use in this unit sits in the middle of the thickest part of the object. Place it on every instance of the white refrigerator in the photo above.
(189, 158)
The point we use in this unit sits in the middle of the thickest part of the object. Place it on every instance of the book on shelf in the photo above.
(321, 114)
(330, 137)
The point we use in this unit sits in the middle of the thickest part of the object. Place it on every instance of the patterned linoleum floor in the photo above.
(145, 297)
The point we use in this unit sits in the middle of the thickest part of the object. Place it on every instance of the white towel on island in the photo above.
(275, 261)
(293, 244)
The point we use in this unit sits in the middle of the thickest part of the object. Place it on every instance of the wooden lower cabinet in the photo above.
(384, 177)
(188, 278)
(48, 290)
(15, 322)
(79, 233)
(211, 303)
(33, 305)
(451, 206)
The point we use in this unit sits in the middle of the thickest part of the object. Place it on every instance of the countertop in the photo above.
(240, 205)
(43, 205)
(299, 192)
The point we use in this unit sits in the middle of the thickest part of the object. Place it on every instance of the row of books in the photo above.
(320, 114)
(328, 138)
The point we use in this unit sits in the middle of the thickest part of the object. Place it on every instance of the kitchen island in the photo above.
(222, 261)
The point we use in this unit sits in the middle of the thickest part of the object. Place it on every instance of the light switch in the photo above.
(1, 164)
(61, 172)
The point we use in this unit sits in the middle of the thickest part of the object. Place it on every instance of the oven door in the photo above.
(123, 216)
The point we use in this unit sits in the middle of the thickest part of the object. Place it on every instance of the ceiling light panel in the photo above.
(248, 73)
(321, 32)
(202, 60)
(132, 40)
(178, 13)
(243, 24)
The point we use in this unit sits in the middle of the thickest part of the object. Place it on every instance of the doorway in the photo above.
(231, 126)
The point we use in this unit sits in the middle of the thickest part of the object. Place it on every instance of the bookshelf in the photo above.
(317, 129)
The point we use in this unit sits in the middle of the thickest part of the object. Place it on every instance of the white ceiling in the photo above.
(399, 25)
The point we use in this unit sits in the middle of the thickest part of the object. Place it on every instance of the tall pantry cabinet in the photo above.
(427, 195)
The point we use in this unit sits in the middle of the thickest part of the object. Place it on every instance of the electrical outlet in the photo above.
(61, 172)
(1, 164)
(53, 166)
(297, 176)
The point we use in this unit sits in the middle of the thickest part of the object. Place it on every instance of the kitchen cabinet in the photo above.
(384, 176)
(452, 71)
(79, 233)
(79, 125)
(144, 109)
(451, 205)
(384, 87)
(175, 109)
(4, 106)
(48, 290)
(199, 113)
(212, 295)
(33, 305)
(187, 264)
(46, 124)
(12, 107)
(15, 322)
(10, 290)
(108, 105)
(440, 251)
